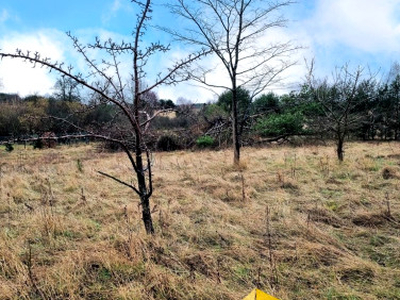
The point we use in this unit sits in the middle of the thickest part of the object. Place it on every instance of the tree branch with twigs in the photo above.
(232, 31)
(339, 100)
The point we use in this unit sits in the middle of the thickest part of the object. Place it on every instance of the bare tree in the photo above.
(339, 100)
(233, 30)
(109, 85)
(67, 89)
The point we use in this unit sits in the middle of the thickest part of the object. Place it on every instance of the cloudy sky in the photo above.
(358, 32)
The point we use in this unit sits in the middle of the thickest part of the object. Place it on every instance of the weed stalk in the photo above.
(243, 187)
(388, 211)
(32, 278)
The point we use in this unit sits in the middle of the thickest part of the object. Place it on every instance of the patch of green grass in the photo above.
(79, 165)
(242, 271)
(331, 193)
(128, 272)
(70, 234)
(104, 275)
(379, 240)
(382, 250)
(333, 294)
(332, 205)
(11, 233)
(96, 225)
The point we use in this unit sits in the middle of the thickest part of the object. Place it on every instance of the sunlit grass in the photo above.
(292, 221)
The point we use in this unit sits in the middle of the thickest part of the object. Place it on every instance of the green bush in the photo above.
(280, 124)
(214, 111)
(9, 147)
(205, 141)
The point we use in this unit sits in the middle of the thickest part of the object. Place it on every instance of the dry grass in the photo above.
(291, 221)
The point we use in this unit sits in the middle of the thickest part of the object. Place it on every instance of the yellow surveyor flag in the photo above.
(256, 294)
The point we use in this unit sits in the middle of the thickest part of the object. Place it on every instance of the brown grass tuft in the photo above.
(390, 173)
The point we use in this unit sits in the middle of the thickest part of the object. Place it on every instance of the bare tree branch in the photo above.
(119, 181)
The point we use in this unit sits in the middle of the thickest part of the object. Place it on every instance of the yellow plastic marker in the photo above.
(257, 294)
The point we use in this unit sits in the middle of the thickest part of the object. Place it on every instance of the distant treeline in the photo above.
(374, 113)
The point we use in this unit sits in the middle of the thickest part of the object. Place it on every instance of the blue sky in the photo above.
(358, 32)
(25, 15)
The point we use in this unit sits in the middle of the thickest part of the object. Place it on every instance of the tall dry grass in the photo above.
(291, 221)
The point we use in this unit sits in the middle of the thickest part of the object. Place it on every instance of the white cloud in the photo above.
(115, 7)
(159, 65)
(19, 76)
(4, 16)
(367, 25)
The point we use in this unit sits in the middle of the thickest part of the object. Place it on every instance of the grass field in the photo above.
(292, 221)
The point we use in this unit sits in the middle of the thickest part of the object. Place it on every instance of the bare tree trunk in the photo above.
(144, 193)
(339, 148)
(146, 214)
(144, 190)
(235, 131)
